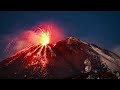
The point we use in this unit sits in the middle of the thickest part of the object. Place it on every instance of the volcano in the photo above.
(67, 59)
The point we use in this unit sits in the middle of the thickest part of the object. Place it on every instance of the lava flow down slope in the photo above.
(66, 59)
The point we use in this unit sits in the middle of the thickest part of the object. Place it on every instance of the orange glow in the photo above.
(29, 54)
(34, 56)
(44, 38)
(42, 34)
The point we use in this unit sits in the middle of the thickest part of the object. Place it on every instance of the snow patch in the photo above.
(111, 65)
(102, 53)
(83, 42)
(107, 60)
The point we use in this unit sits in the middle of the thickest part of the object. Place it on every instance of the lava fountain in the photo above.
(37, 47)
(44, 38)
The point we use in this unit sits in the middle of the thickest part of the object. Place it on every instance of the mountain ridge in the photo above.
(66, 58)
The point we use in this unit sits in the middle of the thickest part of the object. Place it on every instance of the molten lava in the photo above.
(44, 38)
(36, 45)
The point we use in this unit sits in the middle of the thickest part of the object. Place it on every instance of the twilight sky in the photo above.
(98, 27)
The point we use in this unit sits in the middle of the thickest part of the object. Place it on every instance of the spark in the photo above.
(8, 46)
(44, 38)
(35, 47)
(39, 57)
(51, 52)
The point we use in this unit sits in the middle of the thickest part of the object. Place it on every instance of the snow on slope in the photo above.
(113, 62)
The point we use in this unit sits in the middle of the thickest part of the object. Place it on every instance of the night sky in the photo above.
(98, 27)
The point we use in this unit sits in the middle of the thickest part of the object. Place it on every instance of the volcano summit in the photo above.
(67, 59)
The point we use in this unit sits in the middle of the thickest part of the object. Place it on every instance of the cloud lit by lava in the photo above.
(33, 36)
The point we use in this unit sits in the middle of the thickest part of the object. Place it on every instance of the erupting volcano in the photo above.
(49, 56)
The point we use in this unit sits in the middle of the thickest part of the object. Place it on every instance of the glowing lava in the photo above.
(36, 44)
(44, 38)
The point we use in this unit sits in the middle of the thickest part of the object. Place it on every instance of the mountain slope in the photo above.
(70, 58)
